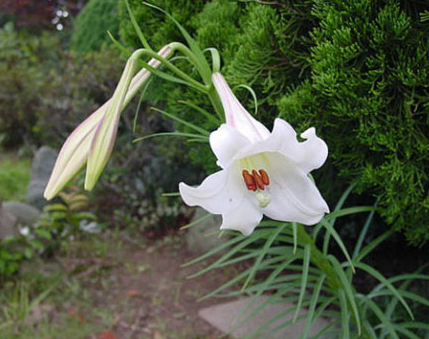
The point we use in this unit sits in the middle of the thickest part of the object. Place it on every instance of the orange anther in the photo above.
(258, 180)
(264, 176)
(249, 180)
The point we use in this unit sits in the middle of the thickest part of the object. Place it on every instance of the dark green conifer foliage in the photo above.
(369, 90)
(158, 29)
(91, 25)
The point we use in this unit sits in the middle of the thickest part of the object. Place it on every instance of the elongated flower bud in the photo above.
(92, 141)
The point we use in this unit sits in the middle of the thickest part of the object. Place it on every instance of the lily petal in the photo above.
(218, 193)
(226, 142)
(235, 114)
(308, 155)
(294, 197)
(243, 218)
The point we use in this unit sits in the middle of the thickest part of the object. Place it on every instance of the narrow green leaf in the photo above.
(345, 331)
(313, 303)
(376, 274)
(342, 200)
(137, 27)
(380, 315)
(236, 279)
(331, 230)
(213, 118)
(362, 234)
(255, 98)
(261, 255)
(203, 66)
(295, 236)
(316, 231)
(350, 210)
(406, 332)
(369, 329)
(215, 58)
(184, 122)
(188, 81)
(208, 254)
(136, 113)
(416, 325)
(348, 289)
(368, 248)
(121, 47)
(305, 266)
(325, 331)
(196, 222)
(172, 134)
(171, 194)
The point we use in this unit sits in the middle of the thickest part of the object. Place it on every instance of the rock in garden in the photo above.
(204, 236)
(8, 224)
(25, 214)
(224, 317)
(41, 169)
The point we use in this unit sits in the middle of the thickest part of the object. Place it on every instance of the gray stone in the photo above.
(26, 214)
(226, 316)
(204, 236)
(43, 163)
(8, 224)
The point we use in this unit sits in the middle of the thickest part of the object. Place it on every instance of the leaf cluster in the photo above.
(285, 265)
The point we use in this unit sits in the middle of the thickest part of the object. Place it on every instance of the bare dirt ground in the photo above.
(142, 291)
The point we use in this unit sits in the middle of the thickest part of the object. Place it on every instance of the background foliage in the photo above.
(91, 25)
(46, 90)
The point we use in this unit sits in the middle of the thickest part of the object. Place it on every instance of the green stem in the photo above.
(211, 92)
(215, 101)
(173, 68)
(177, 46)
(319, 259)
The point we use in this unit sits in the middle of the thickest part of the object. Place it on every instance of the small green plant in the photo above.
(64, 220)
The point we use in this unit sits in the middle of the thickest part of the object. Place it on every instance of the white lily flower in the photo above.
(262, 173)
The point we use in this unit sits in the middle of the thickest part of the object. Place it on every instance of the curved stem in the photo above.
(211, 92)
(170, 66)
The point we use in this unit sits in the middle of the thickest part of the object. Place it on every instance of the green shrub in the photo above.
(45, 91)
(92, 23)
(23, 82)
(369, 90)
